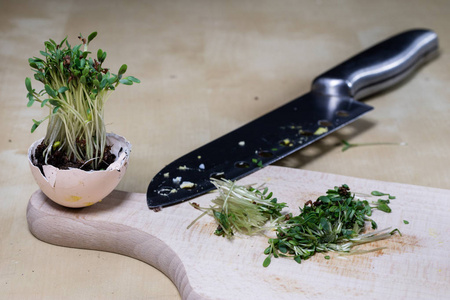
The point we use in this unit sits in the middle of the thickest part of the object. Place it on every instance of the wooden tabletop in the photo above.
(206, 68)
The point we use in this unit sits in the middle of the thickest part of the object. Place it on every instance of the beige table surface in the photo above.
(206, 68)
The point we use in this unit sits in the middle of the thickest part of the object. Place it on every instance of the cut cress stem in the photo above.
(241, 209)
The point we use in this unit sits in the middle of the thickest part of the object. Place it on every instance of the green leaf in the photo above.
(28, 84)
(91, 36)
(267, 262)
(76, 49)
(62, 42)
(33, 128)
(134, 79)
(44, 53)
(44, 102)
(36, 60)
(63, 89)
(99, 55)
(324, 199)
(383, 207)
(112, 79)
(282, 249)
(103, 57)
(125, 81)
(85, 71)
(55, 109)
(39, 77)
(405, 222)
(103, 82)
(377, 193)
(30, 99)
(122, 69)
(325, 224)
(35, 125)
(374, 224)
(77, 62)
(50, 91)
(50, 46)
(53, 102)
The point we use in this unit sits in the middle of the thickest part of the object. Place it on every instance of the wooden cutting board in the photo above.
(204, 266)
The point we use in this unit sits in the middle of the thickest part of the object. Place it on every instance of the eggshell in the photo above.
(78, 188)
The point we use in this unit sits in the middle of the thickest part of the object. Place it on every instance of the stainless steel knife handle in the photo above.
(380, 66)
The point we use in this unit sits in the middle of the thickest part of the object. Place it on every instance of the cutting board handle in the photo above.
(380, 66)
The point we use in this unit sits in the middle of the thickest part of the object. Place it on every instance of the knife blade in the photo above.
(331, 104)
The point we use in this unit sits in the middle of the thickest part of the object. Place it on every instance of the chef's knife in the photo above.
(330, 105)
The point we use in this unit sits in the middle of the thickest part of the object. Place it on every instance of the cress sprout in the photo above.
(76, 88)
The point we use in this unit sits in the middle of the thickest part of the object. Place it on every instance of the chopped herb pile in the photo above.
(334, 222)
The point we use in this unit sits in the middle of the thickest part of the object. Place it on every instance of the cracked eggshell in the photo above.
(78, 188)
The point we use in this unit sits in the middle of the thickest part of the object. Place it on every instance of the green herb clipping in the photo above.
(334, 222)
(242, 209)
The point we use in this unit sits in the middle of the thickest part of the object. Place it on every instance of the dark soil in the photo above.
(59, 160)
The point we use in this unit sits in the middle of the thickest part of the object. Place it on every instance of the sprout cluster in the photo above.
(76, 88)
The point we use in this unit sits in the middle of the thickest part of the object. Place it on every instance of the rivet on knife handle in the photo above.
(329, 106)
(379, 67)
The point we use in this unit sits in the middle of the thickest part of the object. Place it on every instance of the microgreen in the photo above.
(242, 209)
(347, 145)
(406, 222)
(75, 90)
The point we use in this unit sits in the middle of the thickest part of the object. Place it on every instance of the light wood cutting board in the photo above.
(204, 266)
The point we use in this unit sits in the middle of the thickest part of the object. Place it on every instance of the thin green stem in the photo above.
(347, 145)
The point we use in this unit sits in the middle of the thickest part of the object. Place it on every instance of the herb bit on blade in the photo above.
(334, 222)
(242, 209)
